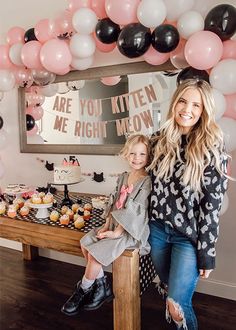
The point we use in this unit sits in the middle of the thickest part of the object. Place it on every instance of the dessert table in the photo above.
(36, 233)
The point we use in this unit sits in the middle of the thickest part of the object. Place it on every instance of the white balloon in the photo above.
(82, 63)
(15, 54)
(82, 45)
(35, 139)
(225, 204)
(75, 85)
(7, 80)
(176, 8)
(49, 90)
(84, 20)
(151, 13)
(220, 103)
(189, 23)
(223, 76)
(3, 139)
(62, 88)
(204, 6)
(228, 126)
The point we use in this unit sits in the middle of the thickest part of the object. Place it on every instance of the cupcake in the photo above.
(54, 216)
(79, 223)
(2, 208)
(24, 210)
(87, 215)
(64, 209)
(75, 207)
(35, 199)
(11, 213)
(19, 201)
(80, 211)
(41, 194)
(88, 207)
(48, 198)
(64, 219)
(70, 213)
(75, 217)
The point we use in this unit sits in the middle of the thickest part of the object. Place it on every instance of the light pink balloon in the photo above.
(104, 48)
(30, 54)
(122, 11)
(111, 81)
(44, 30)
(5, 62)
(203, 50)
(33, 131)
(15, 35)
(35, 112)
(177, 57)
(73, 5)
(230, 106)
(229, 49)
(23, 77)
(55, 56)
(63, 27)
(152, 56)
(98, 6)
(34, 99)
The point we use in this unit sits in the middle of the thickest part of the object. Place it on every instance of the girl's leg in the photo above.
(93, 268)
(85, 252)
(160, 251)
(183, 279)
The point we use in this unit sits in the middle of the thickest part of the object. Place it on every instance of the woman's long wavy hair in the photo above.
(205, 139)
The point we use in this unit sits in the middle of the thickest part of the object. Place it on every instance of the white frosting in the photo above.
(67, 174)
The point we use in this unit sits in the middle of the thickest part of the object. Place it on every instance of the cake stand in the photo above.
(66, 200)
(42, 212)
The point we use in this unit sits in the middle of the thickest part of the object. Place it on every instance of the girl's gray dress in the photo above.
(133, 217)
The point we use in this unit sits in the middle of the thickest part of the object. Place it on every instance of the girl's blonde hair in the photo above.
(205, 139)
(131, 141)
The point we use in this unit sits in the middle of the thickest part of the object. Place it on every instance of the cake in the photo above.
(24, 210)
(11, 213)
(79, 223)
(68, 172)
(99, 202)
(64, 220)
(54, 216)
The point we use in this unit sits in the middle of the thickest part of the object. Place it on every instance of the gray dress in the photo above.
(133, 217)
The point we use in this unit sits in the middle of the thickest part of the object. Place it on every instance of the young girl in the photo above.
(126, 227)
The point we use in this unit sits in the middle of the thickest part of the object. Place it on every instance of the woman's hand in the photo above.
(108, 234)
(204, 273)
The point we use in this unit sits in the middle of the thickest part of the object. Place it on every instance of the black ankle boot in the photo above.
(77, 300)
(102, 293)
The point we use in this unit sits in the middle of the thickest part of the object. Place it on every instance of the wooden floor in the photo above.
(32, 294)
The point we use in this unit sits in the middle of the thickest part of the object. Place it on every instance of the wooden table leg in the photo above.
(126, 288)
(29, 252)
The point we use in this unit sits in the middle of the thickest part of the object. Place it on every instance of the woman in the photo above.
(189, 179)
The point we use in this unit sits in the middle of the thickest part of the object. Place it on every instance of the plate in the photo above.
(40, 206)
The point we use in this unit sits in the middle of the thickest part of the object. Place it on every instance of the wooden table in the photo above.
(125, 270)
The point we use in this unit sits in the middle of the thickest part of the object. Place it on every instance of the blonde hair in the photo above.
(205, 139)
(131, 141)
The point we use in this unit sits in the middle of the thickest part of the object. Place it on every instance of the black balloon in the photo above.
(1, 122)
(107, 31)
(29, 35)
(134, 40)
(165, 38)
(192, 73)
(222, 21)
(30, 122)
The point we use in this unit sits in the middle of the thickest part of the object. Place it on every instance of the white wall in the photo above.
(26, 168)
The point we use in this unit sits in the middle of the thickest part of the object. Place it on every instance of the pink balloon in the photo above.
(55, 56)
(122, 11)
(33, 131)
(203, 50)
(105, 48)
(73, 5)
(111, 81)
(44, 30)
(30, 54)
(98, 6)
(229, 49)
(152, 56)
(23, 77)
(34, 99)
(15, 35)
(230, 106)
(63, 28)
(5, 62)
(35, 112)
(177, 57)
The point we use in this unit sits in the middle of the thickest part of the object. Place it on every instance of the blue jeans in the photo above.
(175, 261)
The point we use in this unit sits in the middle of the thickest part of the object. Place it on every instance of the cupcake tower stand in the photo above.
(42, 212)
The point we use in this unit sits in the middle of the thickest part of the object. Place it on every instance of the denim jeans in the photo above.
(175, 260)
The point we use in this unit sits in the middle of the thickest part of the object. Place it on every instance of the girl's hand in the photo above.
(107, 234)
(204, 273)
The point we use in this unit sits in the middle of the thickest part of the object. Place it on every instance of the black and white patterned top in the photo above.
(194, 214)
